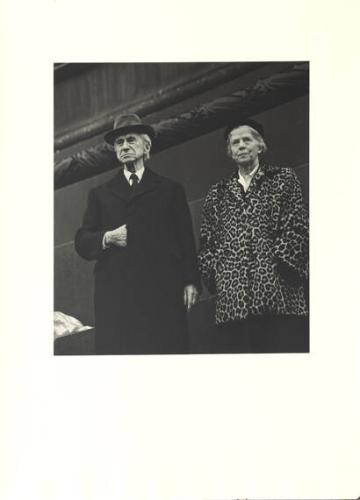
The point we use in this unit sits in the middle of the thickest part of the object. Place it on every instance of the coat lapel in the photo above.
(232, 186)
(119, 186)
(235, 189)
(257, 180)
(149, 182)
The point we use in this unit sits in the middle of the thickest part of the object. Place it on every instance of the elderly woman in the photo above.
(254, 250)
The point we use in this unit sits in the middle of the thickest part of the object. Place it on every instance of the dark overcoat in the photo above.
(139, 305)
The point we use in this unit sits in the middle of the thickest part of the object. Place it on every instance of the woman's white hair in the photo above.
(256, 136)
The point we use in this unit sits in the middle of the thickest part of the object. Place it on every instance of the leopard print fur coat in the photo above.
(254, 246)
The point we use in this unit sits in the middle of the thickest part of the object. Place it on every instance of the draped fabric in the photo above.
(264, 94)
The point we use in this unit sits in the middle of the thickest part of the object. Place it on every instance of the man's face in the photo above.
(129, 148)
(243, 147)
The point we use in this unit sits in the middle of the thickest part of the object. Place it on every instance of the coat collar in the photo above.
(231, 183)
(121, 188)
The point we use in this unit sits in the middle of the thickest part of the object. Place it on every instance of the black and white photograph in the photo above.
(181, 208)
(179, 265)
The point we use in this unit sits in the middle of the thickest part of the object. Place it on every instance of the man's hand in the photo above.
(190, 296)
(117, 237)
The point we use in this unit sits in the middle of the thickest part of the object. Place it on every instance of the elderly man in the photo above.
(138, 228)
(254, 250)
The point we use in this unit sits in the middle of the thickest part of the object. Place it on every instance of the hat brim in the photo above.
(138, 129)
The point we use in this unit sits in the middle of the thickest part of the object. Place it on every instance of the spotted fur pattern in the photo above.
(254, 245)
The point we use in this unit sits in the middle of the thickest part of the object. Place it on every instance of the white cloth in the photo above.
(66, 325)
(139, 174)
(245, 181)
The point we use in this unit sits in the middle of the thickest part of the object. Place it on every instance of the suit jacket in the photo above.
(139, 288)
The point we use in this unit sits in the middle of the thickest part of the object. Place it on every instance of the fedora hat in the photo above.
(250, 123)
(123, 124)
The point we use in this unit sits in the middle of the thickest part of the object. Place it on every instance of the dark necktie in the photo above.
(135, 180)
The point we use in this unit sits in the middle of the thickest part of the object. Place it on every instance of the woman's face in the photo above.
(244, 148)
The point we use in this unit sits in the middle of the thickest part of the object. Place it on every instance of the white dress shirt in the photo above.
(139, 174)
